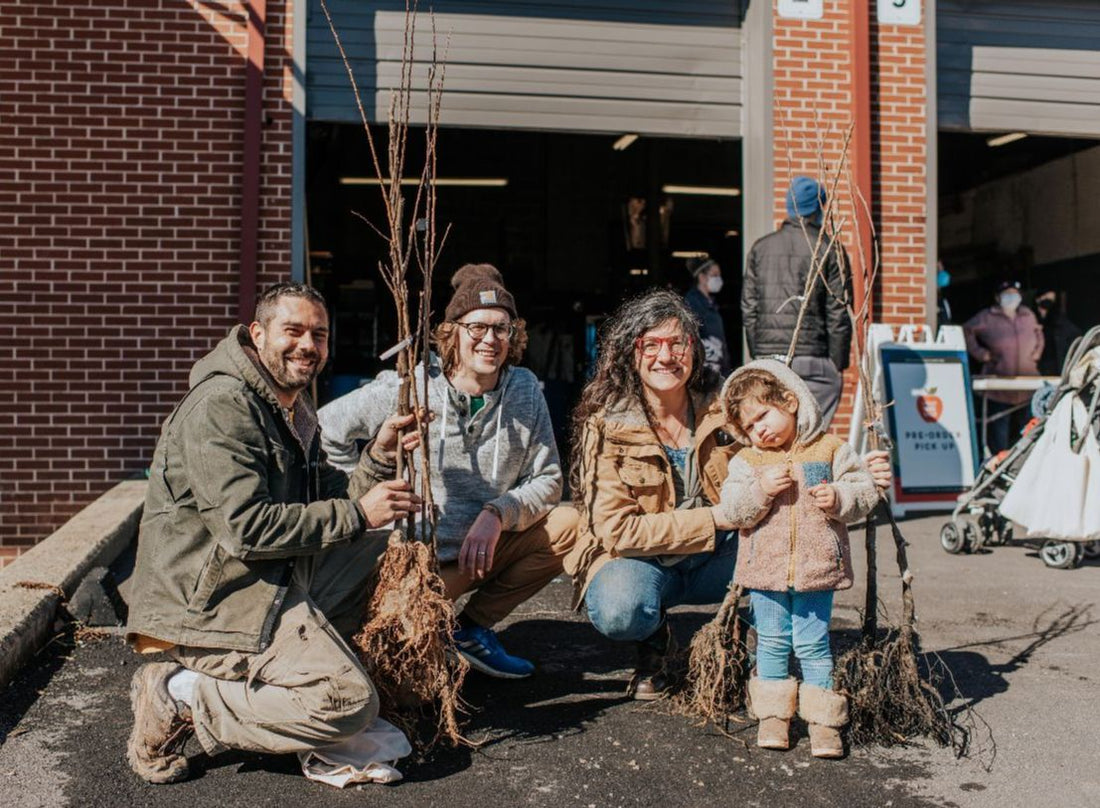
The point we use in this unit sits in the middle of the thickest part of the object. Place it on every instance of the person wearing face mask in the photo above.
(1059, 332)
(700, 299)
(771, 297)
(1007, 340)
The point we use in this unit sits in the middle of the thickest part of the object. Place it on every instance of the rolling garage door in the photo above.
(1019, 65)
(653, 68)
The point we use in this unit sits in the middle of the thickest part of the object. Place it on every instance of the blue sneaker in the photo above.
(481, 648)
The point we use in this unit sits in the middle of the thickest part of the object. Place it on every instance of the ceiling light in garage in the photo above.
(440, 182)
(732, 234)
(700, 190)
(624, 142)
(691, 254)
(1001, 140)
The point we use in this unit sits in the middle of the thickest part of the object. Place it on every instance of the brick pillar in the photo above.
(121, 149)
(814, 99)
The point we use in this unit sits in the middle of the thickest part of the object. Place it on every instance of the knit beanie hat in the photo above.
(478, 286)
(805, 197)
(697, 265)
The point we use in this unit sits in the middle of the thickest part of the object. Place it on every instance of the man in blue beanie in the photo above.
(775, 280)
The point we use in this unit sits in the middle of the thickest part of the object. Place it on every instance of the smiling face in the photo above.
(663, 358)
(293, 344)
(482, 358)
(769, 425)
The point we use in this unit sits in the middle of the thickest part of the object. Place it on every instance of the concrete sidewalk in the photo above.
(1021, 639)
(32, 586)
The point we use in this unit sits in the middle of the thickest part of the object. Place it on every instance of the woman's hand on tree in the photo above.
(388, 502)
(475, 557)
(878, 463)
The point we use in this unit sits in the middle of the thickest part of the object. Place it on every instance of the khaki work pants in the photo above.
(523, 563)
(307, 689)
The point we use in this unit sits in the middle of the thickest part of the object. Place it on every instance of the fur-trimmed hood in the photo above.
(809, 413)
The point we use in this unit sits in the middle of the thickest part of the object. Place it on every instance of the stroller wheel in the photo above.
(951, 538)
(1062, 555)
(1092, 549)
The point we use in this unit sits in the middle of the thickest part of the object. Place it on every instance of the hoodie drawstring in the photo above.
(443, 427)
(496, 440)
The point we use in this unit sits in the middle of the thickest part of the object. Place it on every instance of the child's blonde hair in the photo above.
(756, 384)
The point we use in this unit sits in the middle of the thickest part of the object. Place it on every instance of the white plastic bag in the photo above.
(1052, 496)
(1091, 516)
(364, 758)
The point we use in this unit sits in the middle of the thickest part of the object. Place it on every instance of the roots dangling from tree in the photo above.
(891, 700)
(718, 667)
(406, 643)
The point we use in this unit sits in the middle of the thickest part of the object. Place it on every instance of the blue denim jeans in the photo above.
(627, 598)
(798, 620)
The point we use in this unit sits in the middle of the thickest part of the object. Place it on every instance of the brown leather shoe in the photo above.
(650, 679)
(161, 726)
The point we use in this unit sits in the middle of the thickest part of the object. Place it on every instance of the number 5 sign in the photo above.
(899, 12)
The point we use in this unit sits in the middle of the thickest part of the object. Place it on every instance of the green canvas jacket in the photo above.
(236, 494)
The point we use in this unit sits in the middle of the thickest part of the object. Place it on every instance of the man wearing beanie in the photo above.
(496, 476)
(775, 279)
(700, 299)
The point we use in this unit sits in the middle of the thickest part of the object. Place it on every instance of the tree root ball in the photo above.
(406, 643)
(890, 700)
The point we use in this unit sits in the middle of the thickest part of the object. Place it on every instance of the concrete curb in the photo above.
(95, 536)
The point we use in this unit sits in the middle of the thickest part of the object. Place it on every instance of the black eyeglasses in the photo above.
(477, 331)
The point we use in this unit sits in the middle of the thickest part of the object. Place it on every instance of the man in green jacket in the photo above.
(252, 560)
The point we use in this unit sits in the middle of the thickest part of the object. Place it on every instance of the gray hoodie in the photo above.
(504, 455)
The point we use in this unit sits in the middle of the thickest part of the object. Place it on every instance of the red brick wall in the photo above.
(119, 233)
(813, 110)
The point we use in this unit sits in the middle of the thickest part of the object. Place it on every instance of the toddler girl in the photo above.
(791, 493)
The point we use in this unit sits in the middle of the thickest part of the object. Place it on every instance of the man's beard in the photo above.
(288, 376)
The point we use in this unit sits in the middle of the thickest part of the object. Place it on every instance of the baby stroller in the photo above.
(985, 514)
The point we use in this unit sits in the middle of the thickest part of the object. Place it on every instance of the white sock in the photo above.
(181, 686)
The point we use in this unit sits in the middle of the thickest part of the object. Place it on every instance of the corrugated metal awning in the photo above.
(1019, 65)
(614, 66)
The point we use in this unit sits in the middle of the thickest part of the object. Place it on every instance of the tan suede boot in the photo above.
(772, 703)
(825, 711)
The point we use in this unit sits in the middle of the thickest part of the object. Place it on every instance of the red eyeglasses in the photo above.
(650, 347)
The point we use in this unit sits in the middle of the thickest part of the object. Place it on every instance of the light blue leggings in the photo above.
(798, 620)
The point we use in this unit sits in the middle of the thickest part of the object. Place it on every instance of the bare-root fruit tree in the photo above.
(406, 640)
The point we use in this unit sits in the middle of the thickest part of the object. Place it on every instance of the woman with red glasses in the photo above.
(649, 458)
(648, 462)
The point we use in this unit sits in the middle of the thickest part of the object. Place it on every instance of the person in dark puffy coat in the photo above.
(775, 279)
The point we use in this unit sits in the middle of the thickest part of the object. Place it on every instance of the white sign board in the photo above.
(931, 419)
(898, 12)
(802, 9)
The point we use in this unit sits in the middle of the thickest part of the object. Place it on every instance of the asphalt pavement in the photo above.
(1021, 640)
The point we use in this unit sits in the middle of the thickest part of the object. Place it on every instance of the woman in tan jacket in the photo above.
(649, 458)
(650, 454)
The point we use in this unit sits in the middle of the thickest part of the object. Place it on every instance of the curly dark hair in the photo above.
(616, 379)
(445, 337)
